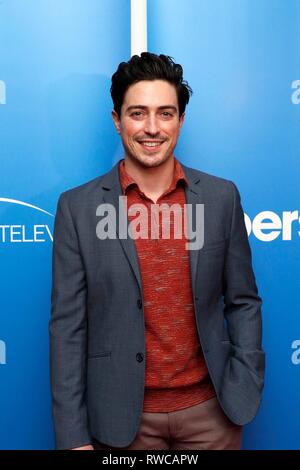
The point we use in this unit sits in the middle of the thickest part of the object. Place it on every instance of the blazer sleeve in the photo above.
(68, 334)
(242, 303)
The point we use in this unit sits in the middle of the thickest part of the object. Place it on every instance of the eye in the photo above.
(136, 113)
(166, 114)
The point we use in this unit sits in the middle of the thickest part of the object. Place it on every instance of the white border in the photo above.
(138, 26)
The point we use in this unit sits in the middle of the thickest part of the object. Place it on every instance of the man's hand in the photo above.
(88, 447)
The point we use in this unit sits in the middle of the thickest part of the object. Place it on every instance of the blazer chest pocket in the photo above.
(213, 247)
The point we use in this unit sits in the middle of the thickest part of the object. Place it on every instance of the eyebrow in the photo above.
(140, 106)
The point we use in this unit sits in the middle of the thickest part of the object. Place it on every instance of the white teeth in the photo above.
(151, 144)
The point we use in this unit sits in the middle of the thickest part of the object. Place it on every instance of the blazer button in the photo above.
(139, 303)
(139, 357)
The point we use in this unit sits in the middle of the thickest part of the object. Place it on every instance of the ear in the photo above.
(181, 120)
(117, 121)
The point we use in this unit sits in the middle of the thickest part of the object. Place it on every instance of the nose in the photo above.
(151, 125)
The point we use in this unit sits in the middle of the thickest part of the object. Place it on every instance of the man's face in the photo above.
(149, 124)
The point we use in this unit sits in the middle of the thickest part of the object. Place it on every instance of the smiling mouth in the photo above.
(151, 145)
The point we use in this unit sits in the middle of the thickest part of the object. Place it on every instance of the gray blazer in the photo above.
(97, 332)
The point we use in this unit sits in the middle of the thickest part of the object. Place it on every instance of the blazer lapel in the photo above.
(194, 196)
(111, 192)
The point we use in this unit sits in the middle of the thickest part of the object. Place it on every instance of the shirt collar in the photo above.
(178, 176)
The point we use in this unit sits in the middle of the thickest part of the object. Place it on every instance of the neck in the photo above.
(153, 181)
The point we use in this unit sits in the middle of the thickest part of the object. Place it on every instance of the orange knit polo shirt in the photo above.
(176, 373)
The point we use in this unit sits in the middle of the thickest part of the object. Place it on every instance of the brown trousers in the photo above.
(198, 427)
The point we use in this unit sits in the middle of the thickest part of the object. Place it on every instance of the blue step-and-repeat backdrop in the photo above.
(242, 59)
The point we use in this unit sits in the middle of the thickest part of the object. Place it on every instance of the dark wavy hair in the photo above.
(149, 66)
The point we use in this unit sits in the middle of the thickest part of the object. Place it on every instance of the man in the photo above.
(153, 345)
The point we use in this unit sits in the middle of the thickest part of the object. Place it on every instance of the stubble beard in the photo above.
(151, 161)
